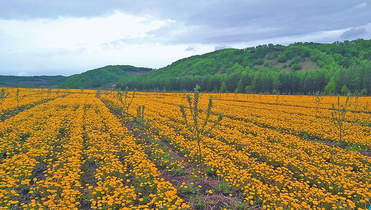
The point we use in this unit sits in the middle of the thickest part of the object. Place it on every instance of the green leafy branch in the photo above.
(339, 115)
(3, 96)
(18, 97)
(125, 100)
(196, 125)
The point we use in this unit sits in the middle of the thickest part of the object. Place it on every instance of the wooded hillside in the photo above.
(300, 68)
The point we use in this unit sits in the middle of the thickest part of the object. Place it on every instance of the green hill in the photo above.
(102, 77)
(297, 68)
(31, 82)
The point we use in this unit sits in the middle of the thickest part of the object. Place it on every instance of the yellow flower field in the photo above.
(82, 150)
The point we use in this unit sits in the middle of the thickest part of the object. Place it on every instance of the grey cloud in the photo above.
(353, 33)
(221, 47)
(211, 21)
(26, 9)
(226, 21)
(287, 17)
(118, 43)
(189, 49)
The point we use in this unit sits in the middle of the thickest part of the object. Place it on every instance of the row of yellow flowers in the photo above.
(294, 173)
(60, 188)
(112, 187)
(28, 141)
(72, 153)
(16, 97)
(153, 191)
(299, 117)
(305, 119)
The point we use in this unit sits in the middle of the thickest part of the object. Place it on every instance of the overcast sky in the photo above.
(54, 37)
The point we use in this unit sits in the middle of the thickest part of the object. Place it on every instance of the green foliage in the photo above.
(49, 92)
(249, 88)
(176, 170)
(188, 190)
(282, 58)
(223, 88)
(123, 97)
(364, 91)
(330, 87)
(345, 90)
(57, 91)
(140, 114)
(3, 96)
(296, 66)
(18, 97)
(198, 201)
(338, 114)
(318, 102)
(294, 61)
(196, 125)
(98, 93)
(223, 188)
(239, 88)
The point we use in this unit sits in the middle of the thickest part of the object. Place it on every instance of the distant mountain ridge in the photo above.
(96, 78)
(102, 77)
(31, 81)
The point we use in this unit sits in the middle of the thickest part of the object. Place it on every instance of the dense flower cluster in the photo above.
(17, 97)
(301, 115)
(259, 147)
(281, 152)
(72, 153)
(28, 143)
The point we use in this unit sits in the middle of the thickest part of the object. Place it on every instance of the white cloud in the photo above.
(78, 42)
(72, 32)
(361, 5)
(22, 74)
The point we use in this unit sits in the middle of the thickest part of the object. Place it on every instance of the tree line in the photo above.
(337, 68)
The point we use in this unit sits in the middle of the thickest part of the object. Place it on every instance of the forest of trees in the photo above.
(101, 77)
(31, 81)
(300, 68)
